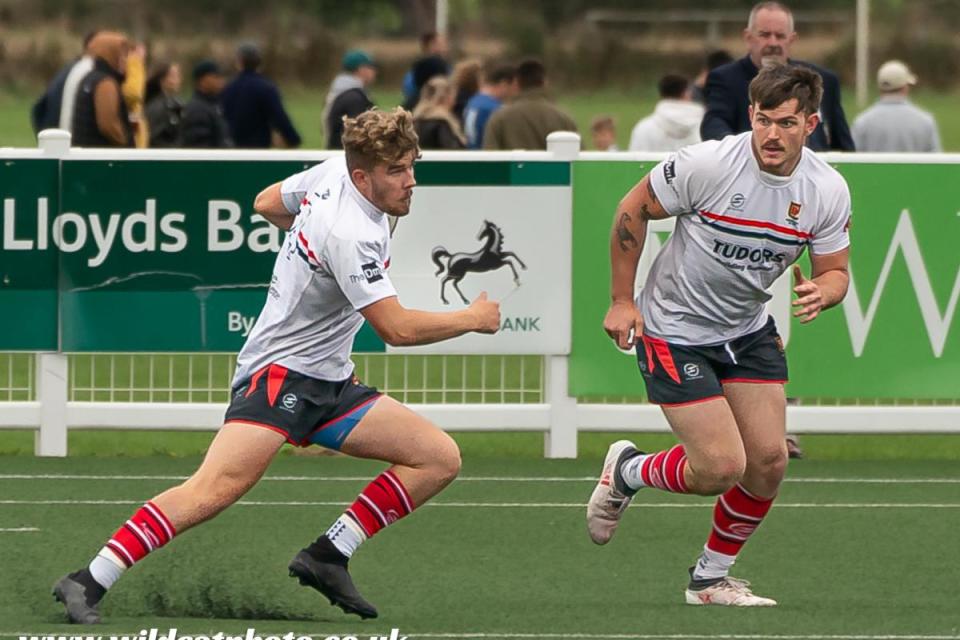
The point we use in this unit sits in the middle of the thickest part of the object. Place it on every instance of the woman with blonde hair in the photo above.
(466, 83)
(433, 117)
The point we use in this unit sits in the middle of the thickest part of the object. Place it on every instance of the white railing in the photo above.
(52, 408)
(559, 417)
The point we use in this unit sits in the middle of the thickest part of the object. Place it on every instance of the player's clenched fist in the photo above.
(623, 324)
(487, 313)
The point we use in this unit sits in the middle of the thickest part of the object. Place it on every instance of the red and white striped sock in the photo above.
(662, 470)
(147, 530)
(381, 503)
(736, 516)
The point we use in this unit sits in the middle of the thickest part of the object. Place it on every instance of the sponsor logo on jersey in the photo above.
(669, 171)
(372, 272)
(736, 202)
(746, 254)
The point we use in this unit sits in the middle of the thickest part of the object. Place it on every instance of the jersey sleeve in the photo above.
(295, 188)
(683, 179)
(833, 234)
(359, 270)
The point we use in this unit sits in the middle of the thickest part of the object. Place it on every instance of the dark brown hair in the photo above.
(378, 137)
(778, 83)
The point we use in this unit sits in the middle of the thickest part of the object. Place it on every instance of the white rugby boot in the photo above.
(725, 592)
(611, 496)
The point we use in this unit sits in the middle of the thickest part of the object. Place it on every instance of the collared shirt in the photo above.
(738, 229)
(333, 263)
(893, 123)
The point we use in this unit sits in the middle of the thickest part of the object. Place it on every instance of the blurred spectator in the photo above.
(893, 123)
(466, 83)
(768, 36)
(433, 118)
(604, 132)
(714, 59)
(133, 89)
(525, 123)
(48, 109)
(675, 121)
(100, 117)
(498, 84)
(433, 62)
(252, 105)
(204, 126)
(164, 108)
(348, 95)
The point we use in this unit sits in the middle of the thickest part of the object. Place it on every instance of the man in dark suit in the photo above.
(253, 107)
(768, 35)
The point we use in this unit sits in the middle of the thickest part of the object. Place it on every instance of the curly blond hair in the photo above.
(379, 137)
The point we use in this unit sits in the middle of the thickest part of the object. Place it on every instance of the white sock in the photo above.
(712, 564)
(106, 568)
(630, 471)
(346, 535)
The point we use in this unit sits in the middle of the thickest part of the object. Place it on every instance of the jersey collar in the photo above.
(368, 207)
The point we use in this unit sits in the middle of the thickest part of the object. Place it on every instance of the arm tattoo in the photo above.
(624, 236)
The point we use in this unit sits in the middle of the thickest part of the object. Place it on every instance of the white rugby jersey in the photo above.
(333, 262)
(737, 230)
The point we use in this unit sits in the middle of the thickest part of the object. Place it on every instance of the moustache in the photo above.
(772, 51)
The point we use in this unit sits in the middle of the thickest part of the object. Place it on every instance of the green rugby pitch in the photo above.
(854, 548)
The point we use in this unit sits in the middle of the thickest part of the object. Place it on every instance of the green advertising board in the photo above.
(169, 255)
(165, 254)
(894, 336)
(28, 260)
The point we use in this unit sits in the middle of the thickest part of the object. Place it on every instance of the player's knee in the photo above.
(721, 475)
(770, 464)
(447, 461)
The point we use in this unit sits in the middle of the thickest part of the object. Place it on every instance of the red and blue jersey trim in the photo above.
(761, 229)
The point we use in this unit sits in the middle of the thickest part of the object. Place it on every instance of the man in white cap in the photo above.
(893, 123)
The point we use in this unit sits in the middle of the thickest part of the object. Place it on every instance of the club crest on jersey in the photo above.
(793, 212)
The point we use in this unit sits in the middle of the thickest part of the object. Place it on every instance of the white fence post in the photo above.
(51, 437)
(51, 381)
(560, 440)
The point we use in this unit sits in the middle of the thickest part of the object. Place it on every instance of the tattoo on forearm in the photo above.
(624, 236)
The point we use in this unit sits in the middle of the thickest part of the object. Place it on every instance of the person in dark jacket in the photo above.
(253, 107)
(45, 113)
(100, 116)
(768, 35)
(436, 125)
(348, 94)
(164, 108)
(203, 124)
(432, 63)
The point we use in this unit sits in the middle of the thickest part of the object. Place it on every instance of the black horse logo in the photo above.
(490, 257)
